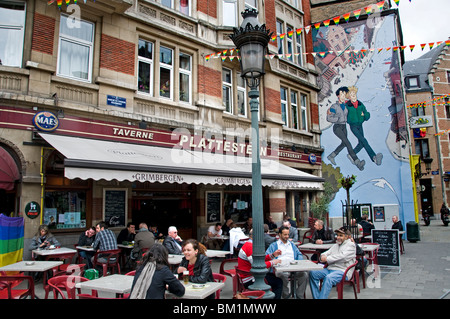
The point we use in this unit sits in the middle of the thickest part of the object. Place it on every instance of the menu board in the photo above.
(115, 207)
(213, 207)
(389, 251)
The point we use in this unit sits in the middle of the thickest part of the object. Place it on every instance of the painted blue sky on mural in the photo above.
(384, 177)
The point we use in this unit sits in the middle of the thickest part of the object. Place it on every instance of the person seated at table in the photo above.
(104, 240)
(285, 250)
(158, 235)
(245, 261)
(173, 242)
(213, 235)
(340, 256)
(267, 238)
(293, 232)
(366, 225)
(197, 263)
(154, 275)
(44, 239)
(127, 234)
(271, 223)
(248, 225)
(87, 239)
(322, 234)
(144, 239)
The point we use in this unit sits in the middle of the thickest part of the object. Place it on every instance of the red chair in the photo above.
(352, 281)
(8, 282)
(253, 294)
(112, 260)
(229, 272)
(65, 283)
(240, 274)
(219, 278)
(131, 273)
(308, 235)
(66, 258)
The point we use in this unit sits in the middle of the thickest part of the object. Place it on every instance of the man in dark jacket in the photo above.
(322, 235)
(173, 242)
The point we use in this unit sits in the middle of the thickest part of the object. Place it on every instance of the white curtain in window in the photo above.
(74, 60)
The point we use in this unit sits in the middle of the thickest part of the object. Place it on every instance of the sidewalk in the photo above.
(424, 271)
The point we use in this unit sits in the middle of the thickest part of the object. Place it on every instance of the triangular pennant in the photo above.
(231, 57)
(380, 49)
(403, 47)
(326, 23)
(299, 31)
(411, 47)
(282, 36)
(67, 2)
(423, 46)
(380, 5)
(273, 38)
(447, 43)
(290, 33)
(317, 25)
(50, 2)
(395, 49)
(357, 13)
(59, 3)
(431, 45)
(368, 10)
(322, 54)
(346, 17)
(336, 20)
(313, 54)
(387, 49)
(207, 57)
(307, 28)
(396, 2)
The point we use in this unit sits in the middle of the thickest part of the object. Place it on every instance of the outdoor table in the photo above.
(300, 265)
(311, 246)
(175, 259)
(49, 252)
(33, 266)
(124, 254)
(197, 293)
(217, 253)
(85, 248)
(118, 284)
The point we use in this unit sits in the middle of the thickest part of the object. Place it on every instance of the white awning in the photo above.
(100, 159)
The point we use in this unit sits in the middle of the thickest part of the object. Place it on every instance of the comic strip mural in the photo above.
(361, 114)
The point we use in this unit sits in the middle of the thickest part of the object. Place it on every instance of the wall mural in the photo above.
(362, 115)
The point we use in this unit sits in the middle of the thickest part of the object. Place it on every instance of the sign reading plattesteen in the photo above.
(389, 251)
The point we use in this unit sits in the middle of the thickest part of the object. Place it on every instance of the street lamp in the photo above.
(251, 40)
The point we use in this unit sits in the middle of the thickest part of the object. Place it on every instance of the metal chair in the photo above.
(65, 283)
(229, 272)
(8, 283)
(107, 259)
(352, 281)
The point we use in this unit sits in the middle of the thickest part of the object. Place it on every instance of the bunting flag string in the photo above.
(229, 52)
(434, 101)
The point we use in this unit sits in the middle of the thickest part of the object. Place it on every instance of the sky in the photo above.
(423, 21)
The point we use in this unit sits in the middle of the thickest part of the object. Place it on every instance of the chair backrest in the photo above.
(7, 283)
(227, 261)
(240, 274)
(108, 254)
(131, 273)
(347, 270)
(66, 283)
(219, 278)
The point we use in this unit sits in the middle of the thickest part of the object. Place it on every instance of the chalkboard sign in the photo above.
(115, 206)
(389, 251)
(213, 207)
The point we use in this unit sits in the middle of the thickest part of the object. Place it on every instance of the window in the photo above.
(185, 7)
(447, 107)
(241, 96)
(304, 112)
(251, 4)
(448, 76)
(412, 82)
(75, 50)
(185, 70)
(284, 103)
(290, 43)
(280, 31)
(417, 111)
(294, 110)
(299, 48)
(165, 72)
(12, 25)
(227, 88)
(229, 13)
(422, 148)
(145, 67)
(65, 209)
(167, 3)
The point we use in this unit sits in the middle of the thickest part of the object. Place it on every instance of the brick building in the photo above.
(96, 97)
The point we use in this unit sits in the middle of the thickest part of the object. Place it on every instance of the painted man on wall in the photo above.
(357, 115)
(337, 114)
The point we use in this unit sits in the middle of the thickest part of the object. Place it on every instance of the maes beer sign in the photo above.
(46, 121)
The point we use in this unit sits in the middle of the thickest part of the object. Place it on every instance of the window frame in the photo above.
(150, 62)
(229, 86)
(169, 67)
(182, 71)
(81, 42)
(285, 104)
(303, 112)
(15, 27)
(241, 89)
(419, 146)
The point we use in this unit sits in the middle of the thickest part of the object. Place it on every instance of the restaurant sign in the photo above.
(32, 210)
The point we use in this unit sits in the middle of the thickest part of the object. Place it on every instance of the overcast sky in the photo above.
(423, 21)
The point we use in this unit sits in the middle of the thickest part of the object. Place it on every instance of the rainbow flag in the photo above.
(11, 239)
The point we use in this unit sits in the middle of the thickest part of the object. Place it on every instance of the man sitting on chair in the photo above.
(338, 257)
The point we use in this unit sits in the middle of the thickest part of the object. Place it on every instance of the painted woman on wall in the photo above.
(357, 115)
(337, 114)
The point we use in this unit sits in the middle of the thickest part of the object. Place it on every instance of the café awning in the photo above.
(9, 172)
(99, 159)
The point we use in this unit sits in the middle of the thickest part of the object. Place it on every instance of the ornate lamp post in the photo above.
(251, 40)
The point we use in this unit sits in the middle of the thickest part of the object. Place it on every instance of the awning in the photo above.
(100, 159)
(9, 171)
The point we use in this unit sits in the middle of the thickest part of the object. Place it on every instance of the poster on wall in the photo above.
(362, 112)
(379, 214)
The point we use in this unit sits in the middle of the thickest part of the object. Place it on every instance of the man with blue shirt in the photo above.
(286, 251)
